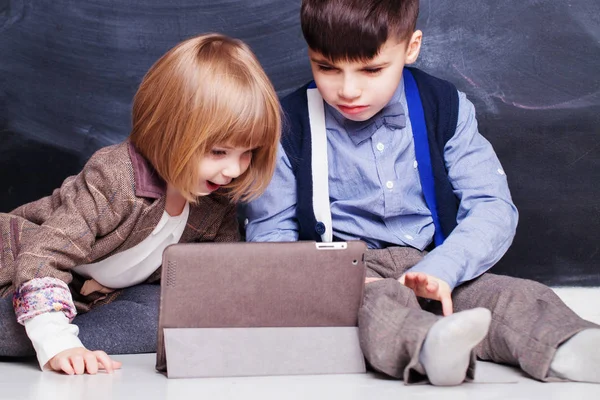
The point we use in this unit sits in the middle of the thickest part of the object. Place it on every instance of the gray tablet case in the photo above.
(244, 309)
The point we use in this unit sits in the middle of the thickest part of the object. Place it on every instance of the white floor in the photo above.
(584, 301)
(138, 380)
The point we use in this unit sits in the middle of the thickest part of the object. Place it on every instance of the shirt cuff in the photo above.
(43, 295)
(50, 333)
(440, 267)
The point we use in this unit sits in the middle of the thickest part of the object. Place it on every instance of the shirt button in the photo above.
(389, 184)
(415, 164)
(500, 171)
(246, 222)
(320, 228)
(380, 146)
(409, 237)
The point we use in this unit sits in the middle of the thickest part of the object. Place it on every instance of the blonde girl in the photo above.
(206, 123)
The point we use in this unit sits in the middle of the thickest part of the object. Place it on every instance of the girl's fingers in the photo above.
(78, 364)
(79, 360)
(91, 364)
(106, 362)
(64, 365)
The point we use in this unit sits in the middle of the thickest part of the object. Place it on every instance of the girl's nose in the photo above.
(233, 169)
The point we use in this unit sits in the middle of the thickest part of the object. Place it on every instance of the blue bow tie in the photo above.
(392, 116)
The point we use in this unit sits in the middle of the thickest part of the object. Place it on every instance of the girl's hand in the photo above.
(429, 287)
(79, 360)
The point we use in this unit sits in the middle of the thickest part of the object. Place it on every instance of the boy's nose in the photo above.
(349, 89)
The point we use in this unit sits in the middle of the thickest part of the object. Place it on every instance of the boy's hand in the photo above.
(429, 287)
(79, 360)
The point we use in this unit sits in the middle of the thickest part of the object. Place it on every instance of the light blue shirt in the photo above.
(376, 196)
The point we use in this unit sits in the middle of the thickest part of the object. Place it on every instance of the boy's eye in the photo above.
(372, 70)
(325, 68)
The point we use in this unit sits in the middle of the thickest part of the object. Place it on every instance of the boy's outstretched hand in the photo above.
(79, 360)
(429, 287)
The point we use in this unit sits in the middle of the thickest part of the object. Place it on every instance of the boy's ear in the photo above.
(414, 47)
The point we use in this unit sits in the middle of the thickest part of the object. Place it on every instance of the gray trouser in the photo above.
(528, 320)
(127, 325)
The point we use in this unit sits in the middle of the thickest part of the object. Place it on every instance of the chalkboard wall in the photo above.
(69, 69)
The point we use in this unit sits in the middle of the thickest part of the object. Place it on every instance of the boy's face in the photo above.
(359, 90)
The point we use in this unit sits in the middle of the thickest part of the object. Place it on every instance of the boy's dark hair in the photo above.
(354, 30)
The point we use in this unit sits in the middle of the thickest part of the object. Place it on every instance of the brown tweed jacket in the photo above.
(113, 204)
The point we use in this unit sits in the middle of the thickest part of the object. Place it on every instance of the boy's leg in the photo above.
(529, 321)
(13, 338)
(393, 327)
(128, 325)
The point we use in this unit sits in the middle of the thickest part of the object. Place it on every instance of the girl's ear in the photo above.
(414, 47)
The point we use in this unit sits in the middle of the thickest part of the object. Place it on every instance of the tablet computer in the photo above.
(224, 288)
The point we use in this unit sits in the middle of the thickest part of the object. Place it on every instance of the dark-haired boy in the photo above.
(392, 156)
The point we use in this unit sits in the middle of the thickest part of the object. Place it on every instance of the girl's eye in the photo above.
(248, 154)
(218, 152)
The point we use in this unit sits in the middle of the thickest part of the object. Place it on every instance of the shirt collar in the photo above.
(147, 181)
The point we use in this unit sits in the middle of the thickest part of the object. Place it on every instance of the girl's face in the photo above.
(220, 166)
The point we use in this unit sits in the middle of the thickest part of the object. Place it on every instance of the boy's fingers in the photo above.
(417, 280)
(428, 287)
(446, 305)
(415, 287)
(432, 287)
(408, 281)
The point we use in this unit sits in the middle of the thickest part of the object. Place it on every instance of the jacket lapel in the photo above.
(204, 220)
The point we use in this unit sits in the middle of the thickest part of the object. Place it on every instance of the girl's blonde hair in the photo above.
(208, 90)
